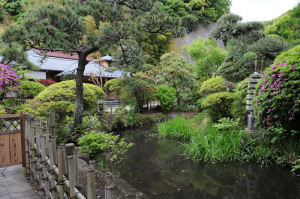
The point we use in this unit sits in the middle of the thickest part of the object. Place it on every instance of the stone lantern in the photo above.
(254, 79)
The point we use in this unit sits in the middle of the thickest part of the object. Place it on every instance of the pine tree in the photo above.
(52, 27)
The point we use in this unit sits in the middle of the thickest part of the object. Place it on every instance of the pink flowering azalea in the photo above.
(8, 78)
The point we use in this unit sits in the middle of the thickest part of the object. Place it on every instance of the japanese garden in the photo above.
(173, 98)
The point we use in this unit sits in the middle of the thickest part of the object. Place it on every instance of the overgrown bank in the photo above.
(226, 142)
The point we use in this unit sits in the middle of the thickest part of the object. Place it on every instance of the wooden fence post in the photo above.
(51, 170)
(22, 128)
(109, 192)
(60, 169)
(52, 133)
(71, 175)
(76, 176)
(91, 187)
(43, 163)
(27, 149)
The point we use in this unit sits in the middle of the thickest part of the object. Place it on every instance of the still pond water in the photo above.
(156, 167)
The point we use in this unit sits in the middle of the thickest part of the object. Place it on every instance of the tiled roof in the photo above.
(69, 66)
(96, 69)
(50, 63)
(59, 54)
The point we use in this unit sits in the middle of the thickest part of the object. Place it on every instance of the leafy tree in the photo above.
(287, 26)
(14, 7)
(138, 90)
(54, 27)
(207, 55)
(247, 47)
(173, 71)
(195, 12)
(114, 86)
(225, 27)
(166, 96)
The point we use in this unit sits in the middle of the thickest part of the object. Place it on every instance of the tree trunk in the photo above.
(79, 89)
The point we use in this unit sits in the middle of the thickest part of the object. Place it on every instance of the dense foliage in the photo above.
(277, 96)
(30, 89)
(287, 26)
(212, 85)
(61, 98)
(256, 52)
(103, 146)
(195, 12)
(215, 146)
(238, 109)
(173, 71)
(113, 86)
(208, 57)
(220, 103)
(46, 82)
(166, 96)
(53, 26)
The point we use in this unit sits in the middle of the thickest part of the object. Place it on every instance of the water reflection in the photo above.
(154, 165)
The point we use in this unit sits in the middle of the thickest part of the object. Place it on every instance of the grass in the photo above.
(215, 146)
(177, 127)
(184, 129)
(202, 142)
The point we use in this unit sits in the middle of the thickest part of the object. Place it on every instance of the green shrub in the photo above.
(30, 89)
(278, 96)
(178, 127)
(62, 96)
(113, 85)
(101, 146)
(220, 104)
(238, 109)
(212, 85)
(166, 96)
(226, 125)
(215, 146)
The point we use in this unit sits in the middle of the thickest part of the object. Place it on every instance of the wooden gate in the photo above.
(12, 140)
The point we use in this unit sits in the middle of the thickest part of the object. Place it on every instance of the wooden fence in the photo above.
(53, 169)
(12, 139)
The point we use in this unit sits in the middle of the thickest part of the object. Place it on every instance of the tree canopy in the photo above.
(248, 47)
(117, 29)
(287, 26)
(207, 55)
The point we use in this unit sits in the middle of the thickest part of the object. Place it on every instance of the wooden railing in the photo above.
(54, 169)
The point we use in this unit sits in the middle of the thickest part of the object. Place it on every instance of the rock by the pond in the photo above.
(122, 190)
(84, 156)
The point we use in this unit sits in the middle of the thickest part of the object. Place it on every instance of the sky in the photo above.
(261, 10)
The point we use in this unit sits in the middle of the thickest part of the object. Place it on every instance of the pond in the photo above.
(157, 167)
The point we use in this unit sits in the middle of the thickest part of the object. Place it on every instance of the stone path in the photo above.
(13, 184)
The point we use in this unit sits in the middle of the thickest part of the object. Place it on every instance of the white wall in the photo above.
(36, 74)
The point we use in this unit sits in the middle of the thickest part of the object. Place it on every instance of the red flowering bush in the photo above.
(8, 78)
(46, 82)
(278, 96)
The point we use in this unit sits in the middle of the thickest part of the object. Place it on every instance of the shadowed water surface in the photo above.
(154, 165)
